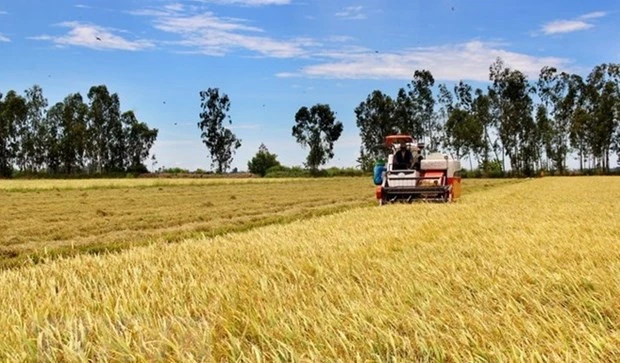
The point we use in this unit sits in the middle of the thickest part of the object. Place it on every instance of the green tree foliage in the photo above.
(602, 99)
(423, 109)
(510, 92)
(106, 136)
(71, 137)
(456, 132)
(262, 161)
(560, 93)
(377, 117)
(545, 131)
(445, 101)
(411, 113)
(464, 128)
(502, 123)
(76, 135)
(220, 141)
(13, 113)
(138, 140)
(405, 118)
(616, 139)
(33, 131)
(481, 109)
(52, 139)
(317, 129)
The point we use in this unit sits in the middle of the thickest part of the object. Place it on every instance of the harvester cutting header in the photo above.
(409, 176)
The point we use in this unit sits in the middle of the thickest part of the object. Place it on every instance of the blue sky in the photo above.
(273, 56)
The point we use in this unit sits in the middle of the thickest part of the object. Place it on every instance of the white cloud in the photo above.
(203, 32)
(594, 15)
(94, 8)
(195, 23)
(352, 12)
(4, 38)
(174, 7)
(206, 33)
(467, 61)
(572, 25)
(94, 37)
(565, 26)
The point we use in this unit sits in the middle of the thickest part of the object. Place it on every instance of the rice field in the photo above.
(527, 271)
(42, 219)
(25, 185)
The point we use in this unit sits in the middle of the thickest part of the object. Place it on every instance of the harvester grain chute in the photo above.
(410, 176)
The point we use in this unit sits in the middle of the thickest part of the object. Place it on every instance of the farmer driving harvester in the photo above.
(408, 176)
(403, 158)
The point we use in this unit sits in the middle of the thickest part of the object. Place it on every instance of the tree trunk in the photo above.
(607, 160)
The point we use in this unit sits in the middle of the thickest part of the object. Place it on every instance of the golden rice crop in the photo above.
(64, 184)
(38, 222)
(47, 218)
(526, 272)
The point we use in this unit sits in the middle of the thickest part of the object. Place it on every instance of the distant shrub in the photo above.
(262, 161)
(175, 170)
(281, 171)
(334, 171)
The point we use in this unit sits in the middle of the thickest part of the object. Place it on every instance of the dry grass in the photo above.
(25, 185)
(527, 272)
(45, 218)
(98, 216)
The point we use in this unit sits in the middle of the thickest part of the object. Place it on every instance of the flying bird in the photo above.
(99, 39)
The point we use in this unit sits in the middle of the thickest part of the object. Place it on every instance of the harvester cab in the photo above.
(410, 176)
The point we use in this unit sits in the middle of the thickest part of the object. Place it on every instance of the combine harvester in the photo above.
(435, 177)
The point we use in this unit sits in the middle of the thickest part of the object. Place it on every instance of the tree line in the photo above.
(75, 136)
(516, 123)
(531, 125)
